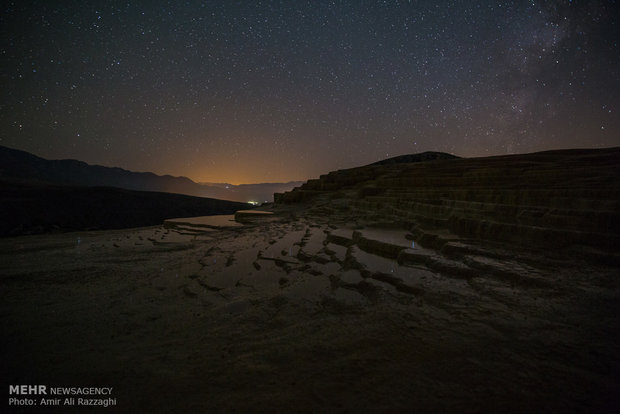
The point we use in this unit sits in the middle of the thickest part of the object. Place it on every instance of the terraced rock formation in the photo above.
(566, 202)
(304, 311)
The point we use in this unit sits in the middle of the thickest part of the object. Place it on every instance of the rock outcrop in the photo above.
(565, 201)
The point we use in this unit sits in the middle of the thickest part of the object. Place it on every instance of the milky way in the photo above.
(259, 91)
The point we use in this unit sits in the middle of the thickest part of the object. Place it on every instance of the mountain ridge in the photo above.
(18, 164)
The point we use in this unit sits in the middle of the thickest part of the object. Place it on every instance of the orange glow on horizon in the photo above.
(245, 166)
(247, 175)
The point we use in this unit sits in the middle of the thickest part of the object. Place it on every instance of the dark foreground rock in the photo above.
(307, 313)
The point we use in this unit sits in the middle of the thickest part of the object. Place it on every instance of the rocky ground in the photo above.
(309, 312)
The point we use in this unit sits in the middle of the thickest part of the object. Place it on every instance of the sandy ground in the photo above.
(292, 315)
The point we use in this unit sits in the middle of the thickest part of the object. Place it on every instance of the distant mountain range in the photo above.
(23, 166)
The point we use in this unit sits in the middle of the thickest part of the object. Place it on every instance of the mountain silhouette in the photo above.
(21, 165)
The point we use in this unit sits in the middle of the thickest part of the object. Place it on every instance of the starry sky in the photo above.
(272, 91)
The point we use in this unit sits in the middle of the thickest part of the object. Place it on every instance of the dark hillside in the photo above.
(30, 208)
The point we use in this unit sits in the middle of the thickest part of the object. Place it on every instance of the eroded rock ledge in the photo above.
(565, 201)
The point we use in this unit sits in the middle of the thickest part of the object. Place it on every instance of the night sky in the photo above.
(266, 91)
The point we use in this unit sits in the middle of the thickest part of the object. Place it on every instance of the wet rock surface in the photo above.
(311, 314)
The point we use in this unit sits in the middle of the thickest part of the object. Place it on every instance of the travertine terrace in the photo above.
(564, 201)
